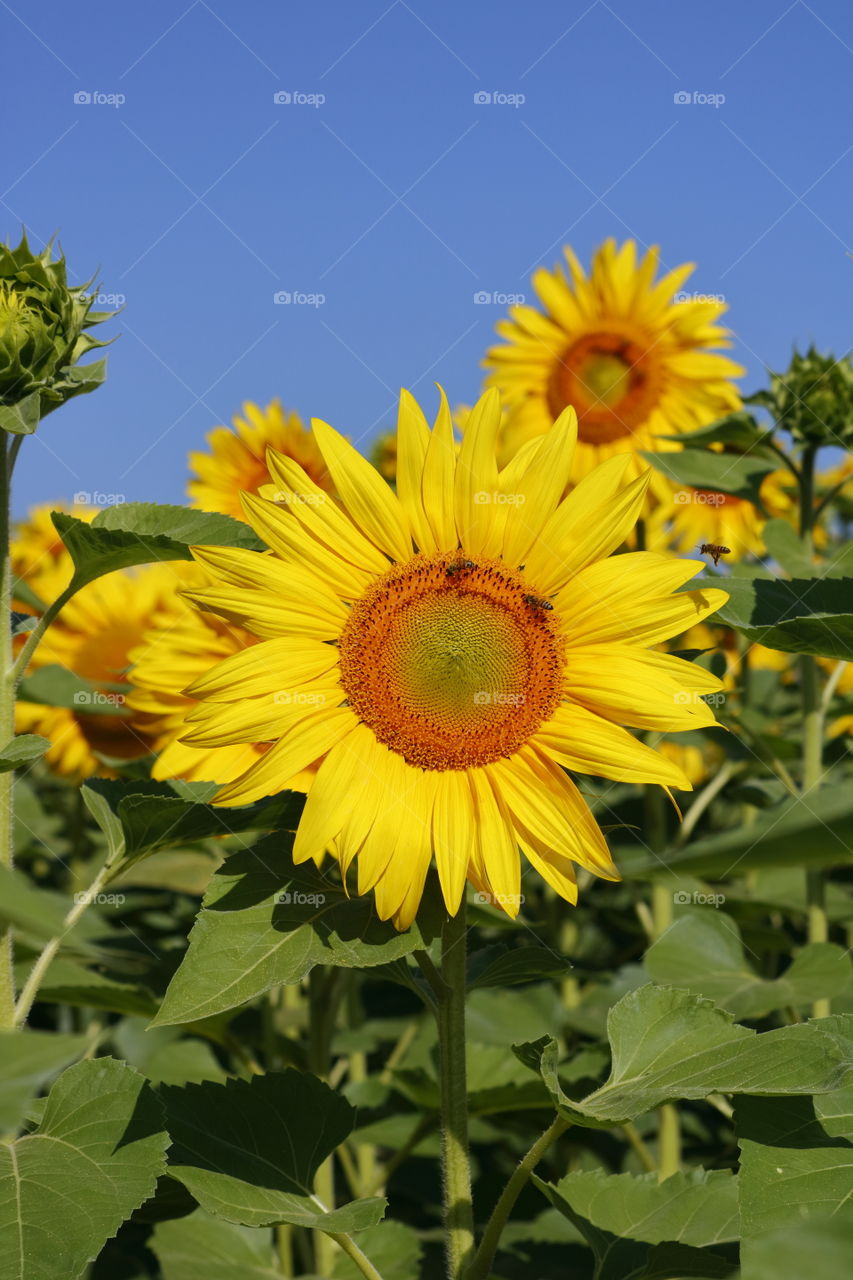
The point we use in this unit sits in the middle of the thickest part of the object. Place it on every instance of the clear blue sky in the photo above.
(399, 197)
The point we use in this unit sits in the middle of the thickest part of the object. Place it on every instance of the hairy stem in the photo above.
(7, 732)
(458, 1205)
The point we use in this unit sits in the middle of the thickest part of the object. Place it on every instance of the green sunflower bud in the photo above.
(43, 335)
(813, 399)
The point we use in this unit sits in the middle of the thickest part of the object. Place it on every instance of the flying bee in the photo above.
(458, 565)
(710, 549)
(536, 602)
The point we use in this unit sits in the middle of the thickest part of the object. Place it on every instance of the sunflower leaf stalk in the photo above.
(456, 1169)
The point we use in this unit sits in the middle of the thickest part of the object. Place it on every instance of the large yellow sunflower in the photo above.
(236, 460)
(632, 355)
(93, 637)
(445, 653)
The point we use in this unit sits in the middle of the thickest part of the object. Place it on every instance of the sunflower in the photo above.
(685, 518)
(236, 460)
(443, 654)
(629, 353)
(169, 657)
(93, 637)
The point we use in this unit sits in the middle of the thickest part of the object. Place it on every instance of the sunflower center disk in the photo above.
(611, 382)
(451, 663)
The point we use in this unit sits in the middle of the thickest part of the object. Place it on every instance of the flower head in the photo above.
(442, 655)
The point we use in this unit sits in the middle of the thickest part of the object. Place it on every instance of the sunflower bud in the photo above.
(43, 323)
(813, 399)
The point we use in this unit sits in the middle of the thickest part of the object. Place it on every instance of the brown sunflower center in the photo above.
(611, 381)
(452, 662)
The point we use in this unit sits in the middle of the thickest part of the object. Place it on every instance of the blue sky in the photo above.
(197, 197)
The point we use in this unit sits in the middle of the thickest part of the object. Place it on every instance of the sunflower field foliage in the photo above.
(437, 861)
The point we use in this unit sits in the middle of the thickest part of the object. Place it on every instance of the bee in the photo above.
(458, 565)
(536, 602)
(710, 549)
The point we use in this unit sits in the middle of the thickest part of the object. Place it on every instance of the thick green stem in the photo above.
(669, 1141)
(319, 1037)
(669, 1124)
(7, 732)
(458, 1205)
(482, 1264)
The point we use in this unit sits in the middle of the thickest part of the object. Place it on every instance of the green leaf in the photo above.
(134, 533)
(805, 615)
(201, 1247)
(737, 474)
(66, 1189)
(67, 982)
(786, 547)
(819, 1247)
(392, 1247)
(814, 832)
(141, 817)
(790, 1166)
(270, 1134)
(738, 429)
(668, 1045)
(265, 922)
(21, 419)
(28, 1059)
(499, 965)
(703, 952)
(24, 749)
(55, 686)
(696, 1208)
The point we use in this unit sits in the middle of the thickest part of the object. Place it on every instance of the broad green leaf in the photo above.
(696, 1208)
(805, 615)
(667, 1045)
(821, 1247)
(55, 686)
(21, 419)
(738, 429)
(25, 749)
(143, 532)
(28, 1059)
(790, 1167)
(141, 817)
(265, 922)
(737, 474)
(703, 952)
(67, 982)
(785, 546)
(393, 1248)
(165, 1055)
(40, 912)
(500, 966)
(248, 1152)
(201, 1247)
(67, 1188)
(816, 832)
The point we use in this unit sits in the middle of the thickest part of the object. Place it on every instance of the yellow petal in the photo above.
(476, 485)
(641, 689)
(306, 741)
(585, 743)
(453, 834)
(413, 436)
(276, 664)
(438, 480)
(540, 488)
(366, 497)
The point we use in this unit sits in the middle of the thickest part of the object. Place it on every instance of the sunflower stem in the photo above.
(669, 1123)
(319, 1036)
(7, 732)
(450, 1016)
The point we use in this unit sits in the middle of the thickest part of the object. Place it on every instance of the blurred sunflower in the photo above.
(631, 356)
(236, 460)
(93, 637)
(684, 518)
(442, 655)
(39, 558)
(383, 455)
